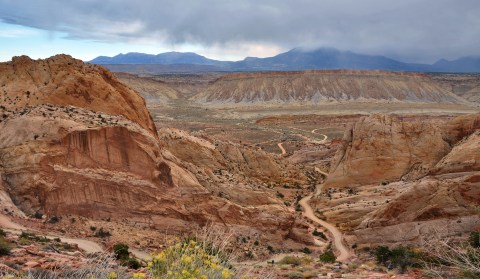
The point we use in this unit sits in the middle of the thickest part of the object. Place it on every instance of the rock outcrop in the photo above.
(81, 143)
(381, 148)
(63, 81)
(408, 179)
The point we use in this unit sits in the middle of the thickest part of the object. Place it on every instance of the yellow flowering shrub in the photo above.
(189, 260)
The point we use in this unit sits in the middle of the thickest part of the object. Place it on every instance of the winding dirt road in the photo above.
(325, 137)
(344, 251)
(280, 145)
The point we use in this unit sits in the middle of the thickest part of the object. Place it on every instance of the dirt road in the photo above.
(280, 145)
(86, 245)
(344, 251)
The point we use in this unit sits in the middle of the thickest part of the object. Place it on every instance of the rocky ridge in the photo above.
(316, 87)
(97, 155)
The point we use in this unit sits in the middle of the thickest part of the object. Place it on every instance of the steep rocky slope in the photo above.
(466, 86)
(81, 143)
(398, 181)
(314, 87)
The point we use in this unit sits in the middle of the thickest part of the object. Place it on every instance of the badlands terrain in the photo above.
(290, 163)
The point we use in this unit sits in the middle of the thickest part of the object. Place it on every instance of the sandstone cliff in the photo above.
(314, 87)
(63, 81)
(382, 148)
(81, 143)
(406, 179)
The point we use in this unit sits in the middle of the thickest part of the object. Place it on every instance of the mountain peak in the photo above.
(166, 58)
(300, 58)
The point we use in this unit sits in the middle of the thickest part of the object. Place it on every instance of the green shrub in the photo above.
(270, 249)
(400, 257)
(131, 263)
(474, 239)
(4, 247)
(121, 251)
(306, 250)
(38, 215)
(382, 254)
(319, 234)
(2, 233)
(291, 260)
(328, 256)
(102, 233)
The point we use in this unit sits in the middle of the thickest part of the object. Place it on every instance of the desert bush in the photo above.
(131, 263)
(448, 258)
(4, 247)
(190, 259)
(102, 233)
(400, 257)
(328, 256)
(291, 260)
(320, 234)
(205, 255)
(121, 251)
(306, 250)
(2, 233)
(270, 249)
(474, 239)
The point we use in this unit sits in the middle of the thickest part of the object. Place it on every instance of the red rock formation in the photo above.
(61, 80)
(415, 178)
(100, 157)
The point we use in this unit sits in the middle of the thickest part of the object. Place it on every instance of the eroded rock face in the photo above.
(100, 157)
(63, 81)
(380, 148)
(413, 179)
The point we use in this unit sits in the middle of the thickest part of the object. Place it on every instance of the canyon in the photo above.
(377, 157)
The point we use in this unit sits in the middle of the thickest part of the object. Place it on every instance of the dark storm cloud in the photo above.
(409, 29)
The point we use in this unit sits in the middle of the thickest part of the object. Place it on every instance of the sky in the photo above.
(420, 31)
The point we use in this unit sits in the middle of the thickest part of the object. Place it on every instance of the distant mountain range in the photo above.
(295, 59)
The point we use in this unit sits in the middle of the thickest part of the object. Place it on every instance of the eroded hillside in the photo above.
(76, 141)
(397, 181)
(316, 87)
